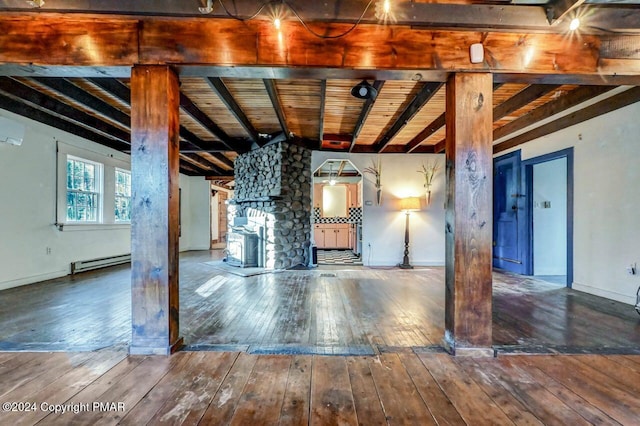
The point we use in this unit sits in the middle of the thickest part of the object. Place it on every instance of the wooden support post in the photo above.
(468, 311)
(155, 126)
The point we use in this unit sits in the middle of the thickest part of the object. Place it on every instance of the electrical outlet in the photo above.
(631, 269)
(48, 250)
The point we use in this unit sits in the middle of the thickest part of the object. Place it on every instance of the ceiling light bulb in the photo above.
(575, 24)
(277, 23)
(332, 182)
(386, 6)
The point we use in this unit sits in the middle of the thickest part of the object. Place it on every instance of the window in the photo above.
(84, 190)
(123, 196)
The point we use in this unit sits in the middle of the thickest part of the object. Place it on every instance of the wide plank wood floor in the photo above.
(358, 311)
(238, 388)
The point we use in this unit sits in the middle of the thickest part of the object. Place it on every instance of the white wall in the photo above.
(28, 210)
(550, 224)
(383, 226)
(606, 200)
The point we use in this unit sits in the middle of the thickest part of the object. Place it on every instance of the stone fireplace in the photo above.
(273, 197)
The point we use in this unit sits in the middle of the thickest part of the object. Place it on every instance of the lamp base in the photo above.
(405, 266)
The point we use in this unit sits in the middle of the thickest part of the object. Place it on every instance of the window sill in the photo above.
(73, 227)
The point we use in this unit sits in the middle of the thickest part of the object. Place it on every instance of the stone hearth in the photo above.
(273, 184)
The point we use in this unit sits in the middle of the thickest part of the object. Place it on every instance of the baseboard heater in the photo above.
(103, 262)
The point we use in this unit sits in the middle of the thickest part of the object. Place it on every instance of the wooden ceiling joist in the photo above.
(571, 99)
(203, 119)
(203, 163)
(121, 91)
(41, 101)
(521, 99)
(612, 103)
(220, 88)
(366, 109)
(71, 91)
(32, 113)
(433, 127)
(272, 90)
(421, 98)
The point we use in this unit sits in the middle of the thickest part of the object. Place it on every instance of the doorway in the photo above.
(509, 221)
(549, 183)
(337, 213)
(218, 218)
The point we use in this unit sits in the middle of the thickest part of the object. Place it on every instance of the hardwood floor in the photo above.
(237, 388)
(358, 311)
(270, 333)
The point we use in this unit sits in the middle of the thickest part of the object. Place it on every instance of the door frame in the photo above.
(523, 247)
(527, 166)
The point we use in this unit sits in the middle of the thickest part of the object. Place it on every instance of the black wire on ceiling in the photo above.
(298, 17)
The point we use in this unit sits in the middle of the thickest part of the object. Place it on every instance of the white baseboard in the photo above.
(631, 300)
(33, 279)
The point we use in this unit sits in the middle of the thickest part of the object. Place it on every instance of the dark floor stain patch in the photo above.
(326, 275)
(311, 350)
(215, 348)
(431, 349)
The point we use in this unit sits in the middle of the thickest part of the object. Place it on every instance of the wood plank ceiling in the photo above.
(222, 117)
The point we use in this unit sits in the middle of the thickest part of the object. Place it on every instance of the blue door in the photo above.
(508, 209)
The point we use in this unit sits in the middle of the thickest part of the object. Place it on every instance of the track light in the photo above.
(364, 90)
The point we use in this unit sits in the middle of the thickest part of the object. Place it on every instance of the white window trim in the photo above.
(110, 160)
(99, 191)
(120, 222)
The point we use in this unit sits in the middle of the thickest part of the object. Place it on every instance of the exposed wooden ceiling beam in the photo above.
(190, 170)
(364, 113)
(522, 98)
(571, 99)
(201, 145)
(20, 108)
(272, 91)
(323, 98)
(203, 119)
(512, 104)
(433, 127)
(341, 167)
(34, 46)
(71, 91)
(557, 10)
(440, 146)
(613, 103)
(221, 89)
(529, 18)
(421, 98)
(122, 92)
(41, 101)
(203, 163)
(221, 178)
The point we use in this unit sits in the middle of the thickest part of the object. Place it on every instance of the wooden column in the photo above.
(155, 125)
(469, 119)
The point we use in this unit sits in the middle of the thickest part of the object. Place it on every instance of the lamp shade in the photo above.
(410, 204)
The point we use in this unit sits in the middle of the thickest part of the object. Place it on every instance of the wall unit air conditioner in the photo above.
(11, 132)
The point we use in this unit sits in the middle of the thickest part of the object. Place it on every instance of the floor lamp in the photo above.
(408, 205)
